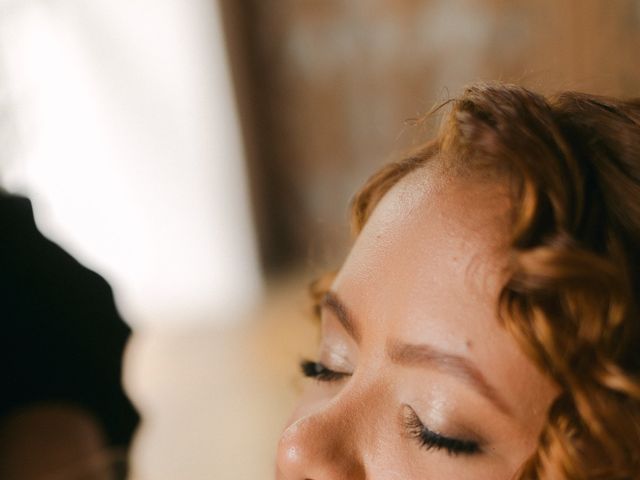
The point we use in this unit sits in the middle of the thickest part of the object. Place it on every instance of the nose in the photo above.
(320, 446)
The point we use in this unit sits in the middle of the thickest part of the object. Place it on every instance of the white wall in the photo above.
(129, 146)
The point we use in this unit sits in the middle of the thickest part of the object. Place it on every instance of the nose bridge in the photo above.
(327, 443)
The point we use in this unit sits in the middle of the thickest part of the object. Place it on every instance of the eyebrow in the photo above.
(331, 301)
(422, 355)
(427, 356)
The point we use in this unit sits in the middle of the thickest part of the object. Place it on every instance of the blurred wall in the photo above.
(328, 84)
(124, 133)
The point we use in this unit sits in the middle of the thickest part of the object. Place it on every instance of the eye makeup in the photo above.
(431, 440)
(414, 427)
(320, 372)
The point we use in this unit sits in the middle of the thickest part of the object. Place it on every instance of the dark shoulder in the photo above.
(16, 215)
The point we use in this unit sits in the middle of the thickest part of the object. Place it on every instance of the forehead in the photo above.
(427, 268)
(431, 239)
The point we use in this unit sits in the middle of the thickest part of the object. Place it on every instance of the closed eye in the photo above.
(436, 441)
(320, 372)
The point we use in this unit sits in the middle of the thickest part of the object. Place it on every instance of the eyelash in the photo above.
(425, 437)
(435, 441)
(320, 372)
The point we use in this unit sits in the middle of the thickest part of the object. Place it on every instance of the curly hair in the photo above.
(572, 163)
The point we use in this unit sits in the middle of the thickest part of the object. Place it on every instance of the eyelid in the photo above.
(432, 440)
(321, 372)
(336, 348)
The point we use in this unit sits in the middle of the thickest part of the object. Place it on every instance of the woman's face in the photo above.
(415, 378)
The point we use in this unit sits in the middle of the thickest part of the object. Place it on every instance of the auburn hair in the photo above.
(571, 295)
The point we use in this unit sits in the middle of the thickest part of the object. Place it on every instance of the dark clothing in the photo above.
(62, 337)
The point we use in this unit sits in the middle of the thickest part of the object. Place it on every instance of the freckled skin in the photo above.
(426, 269)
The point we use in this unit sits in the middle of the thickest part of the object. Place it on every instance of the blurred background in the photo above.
(199, 156)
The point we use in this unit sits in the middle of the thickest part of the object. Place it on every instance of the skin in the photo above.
(411, 323)
(53, 441)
